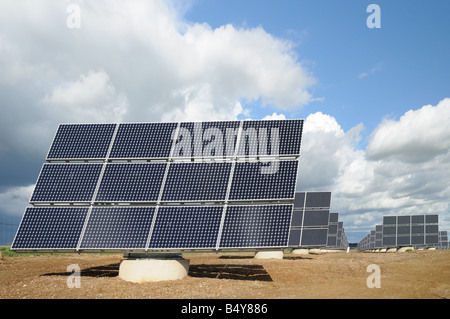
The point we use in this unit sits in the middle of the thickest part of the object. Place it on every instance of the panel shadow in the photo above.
(230, 271)
(111, 270)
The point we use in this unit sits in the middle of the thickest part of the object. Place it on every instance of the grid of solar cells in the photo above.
(264, 180)
(186, 227)
(143, 140)
(270, 137)
(256, 226)
(131, 182)
(50, 228)
(314, 237)
(206, 139)
(118, 228)
(199, 181)
(66, 182)
(81, 141)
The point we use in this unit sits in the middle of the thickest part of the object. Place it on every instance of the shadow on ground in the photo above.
(230, 271)
(220, 271)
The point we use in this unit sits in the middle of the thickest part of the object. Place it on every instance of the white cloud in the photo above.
(91, 98)
(133, 61)
(14, 199)
(418, 136)
(365, 188)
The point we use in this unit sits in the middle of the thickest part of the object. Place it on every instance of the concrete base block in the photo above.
(316, 251)
(300, 251)
(404, 249)
(383, 250)
(276, 254)
(146, 270)
(391, 250)
(431, 248)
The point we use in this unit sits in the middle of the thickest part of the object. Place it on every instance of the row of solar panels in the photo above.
(137, 194)
(153, 228)
(166, 182)
(313, 225)
(419, 231)
(176, 140)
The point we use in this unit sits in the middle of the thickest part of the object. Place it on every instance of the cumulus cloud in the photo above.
(417, 136)
(391, 176)
(14, 199)
(134, 61)
(91, 98)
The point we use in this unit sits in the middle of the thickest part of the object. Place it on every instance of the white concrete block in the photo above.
(300, 251)
(275, 254)
(146, 270)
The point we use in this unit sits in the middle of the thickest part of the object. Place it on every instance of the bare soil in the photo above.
(412, 275)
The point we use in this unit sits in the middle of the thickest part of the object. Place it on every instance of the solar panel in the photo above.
(318, 199)
(270, 137)
(66, 183)
(118, 228)
(81, 141)
(316, 218)
(143, 140)
(264, 180)
(50, 228)
(314, 237)
(163, 186)
(194, 227)
(131, 182)
(256, 226)
(199, 181)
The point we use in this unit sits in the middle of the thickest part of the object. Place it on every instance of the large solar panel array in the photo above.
(165, 186)
(313, 225)
(418, 231)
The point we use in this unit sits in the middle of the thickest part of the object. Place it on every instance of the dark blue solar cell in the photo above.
(271, 137)
(314, 237)
(131, 182)
(50, 228)
(81, 141)
(256, 226)
(196, 181)
(264, 180)
(316, 218)
(118, 228)
(318, 199)
(206, 139)
(143, 140)
(186, 227)
(66, 183)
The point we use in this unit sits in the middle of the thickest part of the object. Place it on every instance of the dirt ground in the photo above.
(416, 275)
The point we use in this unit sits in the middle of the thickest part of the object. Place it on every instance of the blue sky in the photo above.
(404, 61)
(376, 101)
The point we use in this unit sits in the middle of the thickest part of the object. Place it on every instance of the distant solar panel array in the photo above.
(312, 224)
(418, 231)
(165, 186)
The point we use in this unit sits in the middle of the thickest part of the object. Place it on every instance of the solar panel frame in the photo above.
(255, 182)
(45, 176)
(50, 157)
(130, 222)
(265, 141)
(146, 187)
(127, 146)
(188, 190)
(239, 233)
(176, 228)
(52, 232)
(109, 156)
